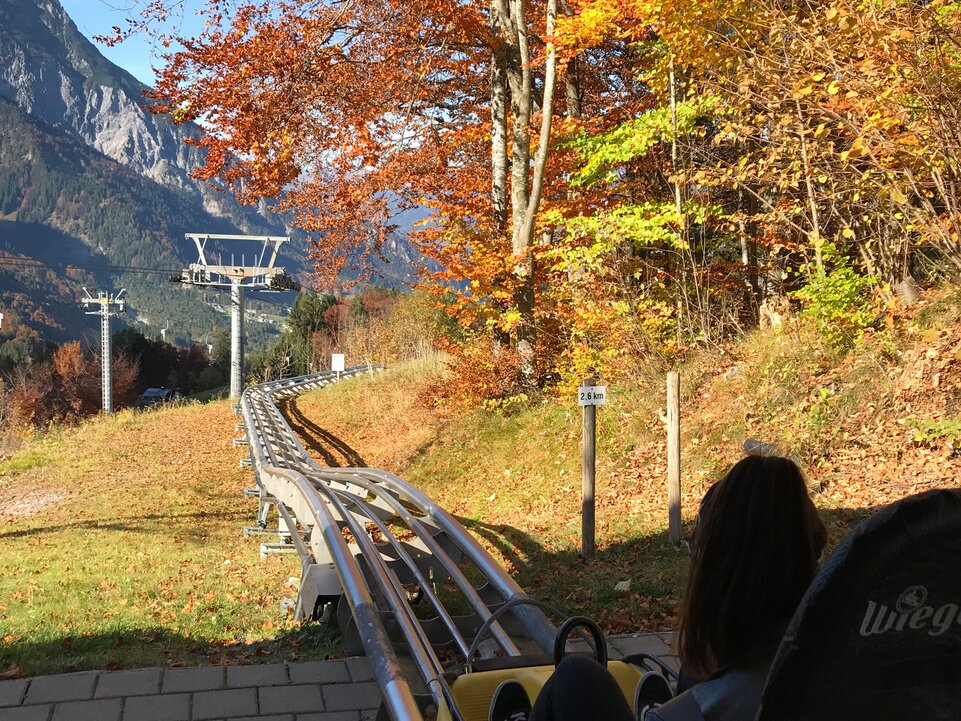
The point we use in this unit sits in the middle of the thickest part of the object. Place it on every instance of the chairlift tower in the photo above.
(263, 275)
(103, 304)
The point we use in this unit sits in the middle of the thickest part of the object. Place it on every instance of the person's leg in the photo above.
(580, 689)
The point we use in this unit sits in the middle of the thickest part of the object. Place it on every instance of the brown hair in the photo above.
(753, 555)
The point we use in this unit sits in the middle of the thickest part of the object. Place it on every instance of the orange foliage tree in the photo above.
(803, 149)
(698, 155)
(349, 113)
(78, 379)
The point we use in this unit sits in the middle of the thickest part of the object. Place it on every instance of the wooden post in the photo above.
(587, 476)
(674, 457)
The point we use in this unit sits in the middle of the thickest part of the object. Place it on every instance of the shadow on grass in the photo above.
(333, 450)
(651, 572)
(575, 586)
(149, 647)
(563, 578)
(133, 524)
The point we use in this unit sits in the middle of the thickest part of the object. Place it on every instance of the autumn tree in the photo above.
(784, 145)
(32, 395)
(699, 157)
(126, 374)
(78, 379)
(645, 257)
(349, 113)
(8, 422)
(851, 108)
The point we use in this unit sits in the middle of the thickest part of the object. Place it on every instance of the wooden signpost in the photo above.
(674, 458)
(589, 396)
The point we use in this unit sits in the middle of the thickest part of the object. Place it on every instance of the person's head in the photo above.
(753, 554)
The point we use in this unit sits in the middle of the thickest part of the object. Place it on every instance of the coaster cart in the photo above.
(877, 636)
(473, 688)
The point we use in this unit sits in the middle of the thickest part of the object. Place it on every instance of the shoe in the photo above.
(509, 703)
(652, 691)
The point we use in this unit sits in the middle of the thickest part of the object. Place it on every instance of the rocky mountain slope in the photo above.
(53, 73)
(62, 202)
(89, 176)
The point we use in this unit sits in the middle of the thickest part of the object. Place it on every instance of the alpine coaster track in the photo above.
(412, 587)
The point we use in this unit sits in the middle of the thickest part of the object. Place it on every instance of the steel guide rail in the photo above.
(340, 512)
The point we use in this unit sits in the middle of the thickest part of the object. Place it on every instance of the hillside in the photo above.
(868, 427)
(88, 176)
(181, 585)
(53, 73)
(62, 202)
(121, 546)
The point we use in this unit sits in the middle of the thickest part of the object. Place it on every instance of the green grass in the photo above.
(150, 503)
(514, 481)
(121, 546)
(23, 462)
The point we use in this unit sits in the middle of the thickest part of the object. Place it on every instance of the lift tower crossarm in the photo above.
(237, 277)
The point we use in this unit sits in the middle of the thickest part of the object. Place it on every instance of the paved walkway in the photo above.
(341, 690)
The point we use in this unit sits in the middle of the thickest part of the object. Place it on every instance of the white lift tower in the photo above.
(263, 274)
(102, 307)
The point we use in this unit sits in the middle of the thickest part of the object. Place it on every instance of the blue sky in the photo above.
(97, 17)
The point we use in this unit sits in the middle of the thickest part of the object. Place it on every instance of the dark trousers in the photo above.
(580, 689)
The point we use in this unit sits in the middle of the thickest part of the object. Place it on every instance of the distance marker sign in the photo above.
(592, 395)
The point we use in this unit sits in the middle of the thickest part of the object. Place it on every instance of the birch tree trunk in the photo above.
(519, 79)
(504, 56)
(572, 73)
(511, 74)
(499, 160)
(681, 305)
(815, 234)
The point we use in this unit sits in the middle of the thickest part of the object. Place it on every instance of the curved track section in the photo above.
(412, 587)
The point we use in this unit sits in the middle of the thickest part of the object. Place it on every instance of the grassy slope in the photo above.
(515, 481)
(121, 546)
(115, 536)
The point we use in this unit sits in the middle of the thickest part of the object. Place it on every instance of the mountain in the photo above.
(89, 177)
(53, 73)
(63, 202)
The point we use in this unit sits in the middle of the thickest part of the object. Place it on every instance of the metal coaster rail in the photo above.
(379, 548)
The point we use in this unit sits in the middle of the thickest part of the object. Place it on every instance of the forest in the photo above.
(72, 217)
(607, 180)
(42, 383)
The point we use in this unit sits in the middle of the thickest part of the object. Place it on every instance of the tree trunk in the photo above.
(511, 71)
(816, 238)
(504, 57)
(572, 76)
(748, 255)
(499, 159)
(540, 159)
(519, 80)
(681, 306)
